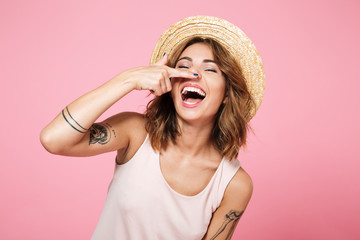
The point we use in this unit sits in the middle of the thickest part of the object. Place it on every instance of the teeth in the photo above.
(192, 89)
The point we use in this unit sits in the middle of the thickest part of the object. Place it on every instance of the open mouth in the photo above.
(192, 95)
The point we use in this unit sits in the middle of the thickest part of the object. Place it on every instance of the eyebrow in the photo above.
(190, 59)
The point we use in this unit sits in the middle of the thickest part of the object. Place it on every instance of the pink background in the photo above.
(303, 158)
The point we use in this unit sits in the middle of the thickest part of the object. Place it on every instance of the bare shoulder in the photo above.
(225, 218)
(131, 125)
(239, 190)
(127, 118)
(127, 123)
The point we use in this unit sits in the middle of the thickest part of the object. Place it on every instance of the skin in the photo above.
(198, 58)
(74, 133)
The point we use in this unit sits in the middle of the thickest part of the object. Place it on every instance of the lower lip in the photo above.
(187, 105)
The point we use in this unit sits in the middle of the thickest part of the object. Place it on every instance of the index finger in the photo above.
(181, 73)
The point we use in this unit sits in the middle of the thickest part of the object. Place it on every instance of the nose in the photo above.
(196, 72)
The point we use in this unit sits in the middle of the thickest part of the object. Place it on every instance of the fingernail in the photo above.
(164, 53)
(195, 74)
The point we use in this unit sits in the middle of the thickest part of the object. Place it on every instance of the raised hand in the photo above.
(72, 131)
(157, 77)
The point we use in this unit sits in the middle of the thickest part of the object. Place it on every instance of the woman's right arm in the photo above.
(74, 132)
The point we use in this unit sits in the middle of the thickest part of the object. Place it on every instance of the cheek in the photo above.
(174, 86)
(221, 88)
(174, 91)
(175, 82)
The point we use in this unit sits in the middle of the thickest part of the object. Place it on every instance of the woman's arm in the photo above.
(74, 132)
(225, 218)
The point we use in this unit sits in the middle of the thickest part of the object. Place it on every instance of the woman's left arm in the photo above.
(228, 214)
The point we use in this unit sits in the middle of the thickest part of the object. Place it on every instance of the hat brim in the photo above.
(229, 36)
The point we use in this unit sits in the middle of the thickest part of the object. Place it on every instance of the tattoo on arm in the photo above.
(100, 133)
(231, 218)
(72, 122)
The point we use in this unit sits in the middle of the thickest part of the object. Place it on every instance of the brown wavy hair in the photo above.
(231, 121)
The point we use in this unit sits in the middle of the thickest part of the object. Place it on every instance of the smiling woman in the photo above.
(176, 173)
(230, 127)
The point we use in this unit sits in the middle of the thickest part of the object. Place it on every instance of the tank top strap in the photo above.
(144, 156)
(222, 179)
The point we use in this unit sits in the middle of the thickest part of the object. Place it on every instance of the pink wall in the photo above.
(304, 158)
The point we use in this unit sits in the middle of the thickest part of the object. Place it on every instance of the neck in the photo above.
(195, 140)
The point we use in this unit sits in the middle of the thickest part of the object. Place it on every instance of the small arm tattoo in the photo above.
(231, 218)
(72, 122)
(101, 133)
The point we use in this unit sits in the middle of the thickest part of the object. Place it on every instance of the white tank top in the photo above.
(141, 205)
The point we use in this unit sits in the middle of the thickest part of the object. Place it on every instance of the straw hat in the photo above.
(229, 36)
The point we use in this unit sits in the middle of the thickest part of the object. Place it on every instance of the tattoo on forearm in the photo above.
(72, 122)
(100, 133)
(231, 218)
(67, 109)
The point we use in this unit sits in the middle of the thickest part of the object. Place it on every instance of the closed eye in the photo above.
(211, 70)
(183, 67)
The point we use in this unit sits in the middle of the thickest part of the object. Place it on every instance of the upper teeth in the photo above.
(192, 89)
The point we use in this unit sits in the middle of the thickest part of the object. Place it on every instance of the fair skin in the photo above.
(193, 152)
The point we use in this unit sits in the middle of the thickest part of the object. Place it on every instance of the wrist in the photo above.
(126, 79)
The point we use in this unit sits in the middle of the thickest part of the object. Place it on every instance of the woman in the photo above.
(176, 176)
